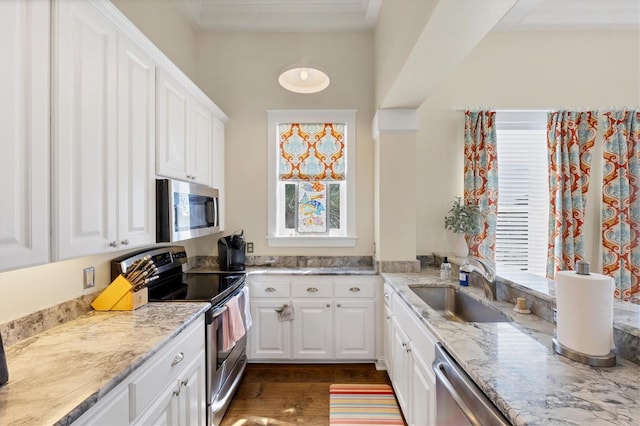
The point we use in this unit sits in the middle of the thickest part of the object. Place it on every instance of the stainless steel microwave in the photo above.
(185, 210)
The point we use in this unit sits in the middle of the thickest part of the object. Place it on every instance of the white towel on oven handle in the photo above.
(247, 308)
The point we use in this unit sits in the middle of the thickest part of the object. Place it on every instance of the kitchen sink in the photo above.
(455, 305)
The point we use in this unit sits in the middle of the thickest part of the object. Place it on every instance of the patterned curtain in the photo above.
(481, 177)
(311, 151)
(621, 201)
(570, 137)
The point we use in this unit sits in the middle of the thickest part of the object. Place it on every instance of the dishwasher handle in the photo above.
(439, 369)
(472, 401)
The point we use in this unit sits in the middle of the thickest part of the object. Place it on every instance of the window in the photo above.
(523, 197)
(311, 178)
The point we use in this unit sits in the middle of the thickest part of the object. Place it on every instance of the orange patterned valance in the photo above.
(311, 151)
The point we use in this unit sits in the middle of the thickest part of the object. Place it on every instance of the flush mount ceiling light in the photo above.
(304, 78)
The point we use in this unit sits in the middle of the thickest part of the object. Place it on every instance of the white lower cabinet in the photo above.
(269, 338)
(334, 318)
(168, 389)
(409, 353)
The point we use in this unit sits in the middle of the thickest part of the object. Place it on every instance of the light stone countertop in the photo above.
(516, 367)
(58, 374)
(279, 270)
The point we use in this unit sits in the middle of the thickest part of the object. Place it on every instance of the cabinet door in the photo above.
(354, 329)
(268, 337)
(388, 341)
(423, 385)
(172, 128)
(85, 130)
(401, 365)
(136, 146)
(192, 394)
(313, 329)
(217, 174)
(165, 410)
(201, 143)
(24, 130)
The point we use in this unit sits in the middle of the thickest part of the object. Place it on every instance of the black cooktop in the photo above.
(206, 287)
(169, 283)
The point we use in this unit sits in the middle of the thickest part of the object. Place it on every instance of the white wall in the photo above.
(519, 71)
(239, 71)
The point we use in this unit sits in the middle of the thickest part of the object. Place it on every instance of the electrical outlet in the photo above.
(249, 247)
(555, 316)
(89, 277)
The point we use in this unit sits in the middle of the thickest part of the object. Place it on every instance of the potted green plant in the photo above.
(462, 219)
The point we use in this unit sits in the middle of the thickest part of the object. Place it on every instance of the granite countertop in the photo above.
(58, 374)
(516, 367)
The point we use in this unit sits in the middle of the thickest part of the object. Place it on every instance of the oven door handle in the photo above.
(219, 312)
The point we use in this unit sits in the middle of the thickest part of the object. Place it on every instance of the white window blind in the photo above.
(523, 197)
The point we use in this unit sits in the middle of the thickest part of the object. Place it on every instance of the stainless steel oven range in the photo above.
(225, 360)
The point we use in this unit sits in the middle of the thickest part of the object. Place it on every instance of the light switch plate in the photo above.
(89, 277)
(249, 247)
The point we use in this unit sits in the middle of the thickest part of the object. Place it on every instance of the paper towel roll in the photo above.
(585, 312)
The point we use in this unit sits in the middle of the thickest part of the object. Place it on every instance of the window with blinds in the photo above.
(523, 197)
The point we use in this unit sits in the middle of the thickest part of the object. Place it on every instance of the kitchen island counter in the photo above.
(57, 375)
(515, 366)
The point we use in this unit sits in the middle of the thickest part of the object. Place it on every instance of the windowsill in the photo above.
(312, 241)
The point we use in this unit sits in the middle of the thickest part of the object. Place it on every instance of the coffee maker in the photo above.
(231, 252)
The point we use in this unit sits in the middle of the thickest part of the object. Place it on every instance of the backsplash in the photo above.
(295, 261)
(37, 322)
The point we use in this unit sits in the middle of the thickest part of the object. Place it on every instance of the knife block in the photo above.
(119, 296)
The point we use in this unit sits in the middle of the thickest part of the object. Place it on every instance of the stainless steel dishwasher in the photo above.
(459, 401)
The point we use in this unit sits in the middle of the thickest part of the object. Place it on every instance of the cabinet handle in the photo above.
(185, 382)
(312, 290)
(113, 244)
(408, 349)
(269, 289)
(389, 316)
(328, 305)
(178, 390)
(354, 289)
(339, 305)
(124, 242)
(177, 359)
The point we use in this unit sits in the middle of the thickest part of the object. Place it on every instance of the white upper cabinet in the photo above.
(24, 133)
(103, 135)
(184, 133)
(201, 143)
(172, 132)
(136, 145)
(84, 134)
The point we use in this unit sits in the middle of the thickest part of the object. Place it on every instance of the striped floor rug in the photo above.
(366, 404)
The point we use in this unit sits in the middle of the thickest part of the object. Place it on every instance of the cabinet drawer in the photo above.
(269, 288)
(361, 288)
(164, 367)
(312, 288)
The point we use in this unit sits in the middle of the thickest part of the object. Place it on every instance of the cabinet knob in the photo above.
(354, 289)
(124, 242)
(177, 359)
(269, 289)
(312, 290)
(328, 305)
(339, 305)
(113, 244)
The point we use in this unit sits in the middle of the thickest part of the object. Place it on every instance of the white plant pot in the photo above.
(461, 249)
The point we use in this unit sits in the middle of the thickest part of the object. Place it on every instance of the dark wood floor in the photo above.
(293, 394)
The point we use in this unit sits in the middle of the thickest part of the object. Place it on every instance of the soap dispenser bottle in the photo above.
(445, 269)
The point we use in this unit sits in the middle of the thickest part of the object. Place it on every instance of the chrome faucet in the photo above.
(487, 271)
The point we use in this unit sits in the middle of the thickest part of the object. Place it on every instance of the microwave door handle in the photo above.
(217, 211)
(210, 209)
